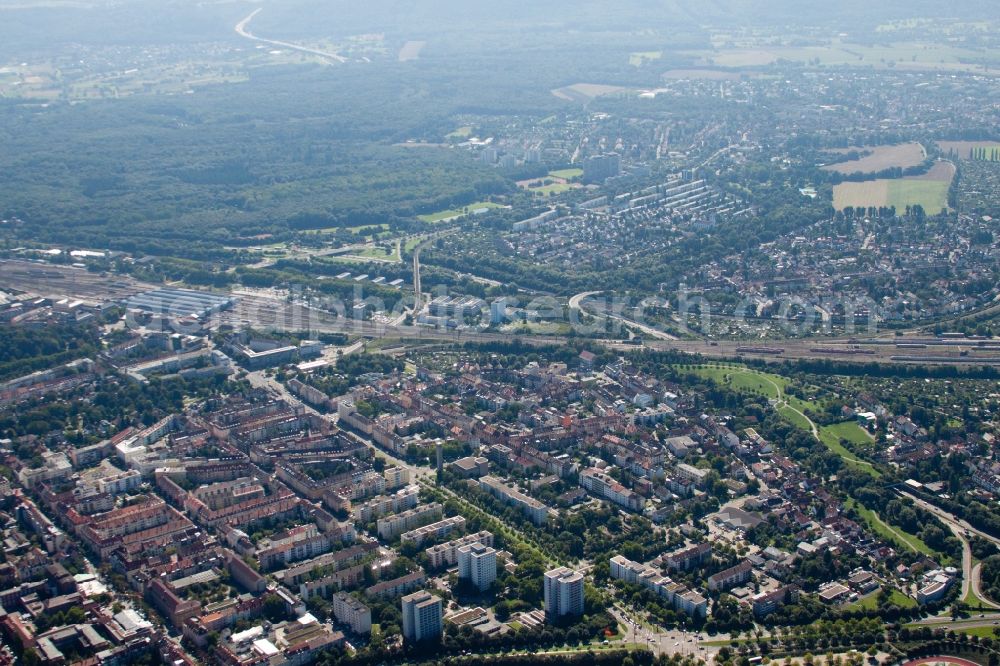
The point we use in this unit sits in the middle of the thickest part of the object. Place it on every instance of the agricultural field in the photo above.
(929, 191)
(989, 150)
(641, 58)
(454, 213)
(48, 82)
(918, 56)
(879, 158)
(585, 92)
(702, 74)
(411, 50)
(737, 57)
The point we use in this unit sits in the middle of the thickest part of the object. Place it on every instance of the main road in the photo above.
(241, 29)
(659, 640)
(971, 573)
(576, 303)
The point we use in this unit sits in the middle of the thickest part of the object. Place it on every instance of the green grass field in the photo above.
(992, 154)
(794, 417)
(851, 431)
(568, 174)
(870, 601)
(642, 57)
(332, 230)
(931, 195)
(452, 213)
(549, 190)
(982, 632)
(893, 534)
(411, 243)
(460, 133)
(346, 259)
(378, 253)
(768, 384)
(971, 599)
(740, 378)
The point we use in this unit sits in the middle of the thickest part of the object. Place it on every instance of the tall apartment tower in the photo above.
(563, 593)
(599, 168)
(421, 617)
(477, 563)
(498, 311)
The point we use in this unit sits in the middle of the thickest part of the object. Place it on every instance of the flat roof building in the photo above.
(421, 616)
(477, 563)
(563, 593)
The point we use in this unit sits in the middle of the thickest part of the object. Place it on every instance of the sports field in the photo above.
(566, 174)
(554, 188)
(941, 661)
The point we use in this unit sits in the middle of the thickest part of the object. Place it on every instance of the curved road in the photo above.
(977, 587)
(971, 575)
(576, 303)
(241, 29)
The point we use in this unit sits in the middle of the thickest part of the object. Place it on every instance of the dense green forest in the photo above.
(291, 148)
(26, 350)
(164, 178)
